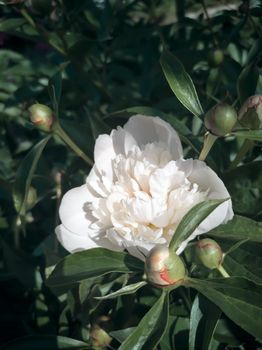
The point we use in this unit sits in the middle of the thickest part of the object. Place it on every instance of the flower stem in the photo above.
(245, 147)
(223, 271)
(208, 143)
(58, 130)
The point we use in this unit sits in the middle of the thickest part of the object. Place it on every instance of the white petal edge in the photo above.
(206, 178)
(72, 242)
(145, 129)
(73, 211)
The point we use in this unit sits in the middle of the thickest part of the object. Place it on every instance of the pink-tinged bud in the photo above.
(164, 267)
(250, 114)
(209, 253)
(99, 337)
(220, 119)
(41, 116)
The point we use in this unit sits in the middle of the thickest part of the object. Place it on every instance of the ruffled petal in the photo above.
(104, 153)
(153, 129)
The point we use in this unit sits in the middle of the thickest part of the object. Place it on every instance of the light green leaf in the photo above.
(255, 135)
(238, 298)
(92, 263)
(25, 174)
(239, 228)
(151, 328)
(130, 289)
(44, 342)
(180, 83)
(203, 321)
(192, 220)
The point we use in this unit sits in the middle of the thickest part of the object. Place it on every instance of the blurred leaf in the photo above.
(25, 174)
(239, 228)
(238, 298)
(130, 289)
(192, 220)
(244, 184)
(255, 51)
(247, 82)
(44, 342)
(180, 83)
(92, 263)
(151, 328)
(55, 90)
(98, 126)
(255, 135)
(203, 321)
(10, 24)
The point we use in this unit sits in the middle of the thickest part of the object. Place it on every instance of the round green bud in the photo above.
(41, 116)
(250, 114)
(215, 57)
(164, 267)
(43, 7)
(209, 253)
(221, 119)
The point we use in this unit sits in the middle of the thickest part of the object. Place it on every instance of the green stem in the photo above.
(245, 147)
(57, 129)
(223, 271)
(208, 143)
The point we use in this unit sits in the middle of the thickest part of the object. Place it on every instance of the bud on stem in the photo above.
(209, 253)
(164, 267)
(221, 119)
(41, 116)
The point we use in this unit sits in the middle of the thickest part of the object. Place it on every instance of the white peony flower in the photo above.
(138, 191)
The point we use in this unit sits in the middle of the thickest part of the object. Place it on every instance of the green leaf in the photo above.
(130, 289)
(55, 90)
(203, 321)
(239, 228)
(98, 126)
(151, 328)
(25, 174)
(244, 184)
(180, 83)
(192, 220)
(44, 342)
(255, 135)
(238, 298)
(11, 24)
(247, 82)
(92, 263)
(121, 334)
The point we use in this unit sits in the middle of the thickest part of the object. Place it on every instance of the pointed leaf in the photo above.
(255, 135)
(55, 90)
(130, 289)
(239, 228)
(180, 83)
(25, 174)
(151, 328)
(238, 298)
(92, 263)
(192, 220)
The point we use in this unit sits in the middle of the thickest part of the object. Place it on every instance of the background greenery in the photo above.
(97, 63)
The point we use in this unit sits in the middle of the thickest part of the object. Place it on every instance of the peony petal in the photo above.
(73, 210)
(207, 179)
(104, 153)
(72, 242)
(153, 129)
(123, 141)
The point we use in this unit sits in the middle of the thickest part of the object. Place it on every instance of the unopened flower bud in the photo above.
(209, 253)
(221, 119)
(99, 337)
(215, 57)
(164, 267)
(31, 197)
(41, 116)
(250, 114)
